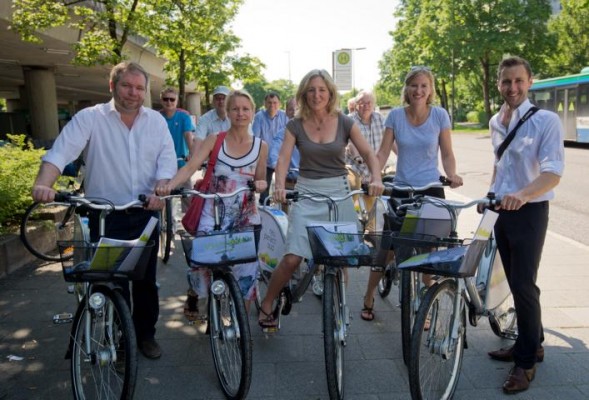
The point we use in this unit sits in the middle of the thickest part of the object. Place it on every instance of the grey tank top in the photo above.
(322, 160)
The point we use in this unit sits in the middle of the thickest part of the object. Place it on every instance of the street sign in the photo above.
(342, 69)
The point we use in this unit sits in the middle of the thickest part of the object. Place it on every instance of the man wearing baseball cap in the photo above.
(214, 120)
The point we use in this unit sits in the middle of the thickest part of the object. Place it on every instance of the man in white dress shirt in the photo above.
(128, 151)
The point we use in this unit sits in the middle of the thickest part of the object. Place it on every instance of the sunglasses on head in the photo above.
(168, 99)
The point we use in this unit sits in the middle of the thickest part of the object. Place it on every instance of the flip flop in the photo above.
(367, 313)
(268, 322)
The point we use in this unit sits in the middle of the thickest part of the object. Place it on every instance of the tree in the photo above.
(104, 25)
(572, 32)
(466, 37)
(194, 37)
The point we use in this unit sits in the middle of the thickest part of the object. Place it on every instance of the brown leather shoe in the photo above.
(150, 349)
(506, 354)
(519, 379)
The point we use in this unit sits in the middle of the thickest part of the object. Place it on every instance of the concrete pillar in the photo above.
(193, 103)
(42, 100)
(147, 99)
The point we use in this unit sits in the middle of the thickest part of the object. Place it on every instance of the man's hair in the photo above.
(271, 95)
(168, 90)
(125, 66)
(303, 109)
(514, 61)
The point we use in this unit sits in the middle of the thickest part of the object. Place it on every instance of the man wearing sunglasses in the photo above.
(182, 131)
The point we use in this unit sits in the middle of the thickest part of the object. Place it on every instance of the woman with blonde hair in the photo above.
(320, 132)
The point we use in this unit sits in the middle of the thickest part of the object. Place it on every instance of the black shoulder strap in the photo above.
(511, 134)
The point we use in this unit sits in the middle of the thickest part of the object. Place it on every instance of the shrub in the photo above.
(19, 163)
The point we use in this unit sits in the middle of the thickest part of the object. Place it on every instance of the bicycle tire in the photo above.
(98, 374)
(42, 225)
(386, 281)
(435, 362)
(408, 310)
(166, 230)
(333, 334)
(230, 338)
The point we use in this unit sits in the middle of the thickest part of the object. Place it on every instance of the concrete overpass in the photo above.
(37, 80)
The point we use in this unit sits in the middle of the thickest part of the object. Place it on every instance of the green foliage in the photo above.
(572, 31)
(463, 41)
(19, 163)
(104, 25)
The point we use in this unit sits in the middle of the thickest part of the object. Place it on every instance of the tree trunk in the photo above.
(485, 65)
(182, 79)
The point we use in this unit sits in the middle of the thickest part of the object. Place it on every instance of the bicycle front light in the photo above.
(218, 287)
(97, 301)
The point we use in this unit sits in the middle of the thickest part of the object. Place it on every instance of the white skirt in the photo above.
(304, 211)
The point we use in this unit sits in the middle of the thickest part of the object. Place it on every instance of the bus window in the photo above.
(583, 101)
(543, 99)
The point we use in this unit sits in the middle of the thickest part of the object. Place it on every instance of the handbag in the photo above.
(511, 134)
(191, 219)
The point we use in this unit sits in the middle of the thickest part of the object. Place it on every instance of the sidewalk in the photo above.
(290, 364)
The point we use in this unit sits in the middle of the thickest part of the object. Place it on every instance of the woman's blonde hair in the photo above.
(303, 110)
(413, 73)
(239, 93)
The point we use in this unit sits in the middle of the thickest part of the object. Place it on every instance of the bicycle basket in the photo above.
(103, 262)
(222, 248)
(341, 245)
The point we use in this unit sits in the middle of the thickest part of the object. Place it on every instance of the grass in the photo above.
(466, 127)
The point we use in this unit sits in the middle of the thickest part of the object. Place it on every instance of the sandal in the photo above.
(191, 306)
(268, 322)
(367, 314)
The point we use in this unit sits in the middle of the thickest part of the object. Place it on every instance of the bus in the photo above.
(568, 96)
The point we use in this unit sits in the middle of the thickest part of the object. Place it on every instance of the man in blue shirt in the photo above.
(266, 124)
(182, 131)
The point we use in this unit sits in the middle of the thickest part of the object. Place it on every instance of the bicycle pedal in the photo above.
(63, 318)
(270, 330)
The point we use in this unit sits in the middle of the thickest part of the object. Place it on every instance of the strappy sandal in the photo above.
(191, 306)
(367, 313)
(268, 322)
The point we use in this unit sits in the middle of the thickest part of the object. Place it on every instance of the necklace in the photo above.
(318, 125)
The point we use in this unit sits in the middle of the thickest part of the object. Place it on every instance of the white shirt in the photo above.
(209, 123)
(536, 148)
(121, 163)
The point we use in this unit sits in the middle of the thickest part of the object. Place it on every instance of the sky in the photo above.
(293, 37)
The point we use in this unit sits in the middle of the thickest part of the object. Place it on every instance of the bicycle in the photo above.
(336, 313)
(228, 324)
(421, 235)
(470, 277)
(102, 346)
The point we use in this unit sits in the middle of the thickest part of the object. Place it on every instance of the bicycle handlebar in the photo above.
(320, 198)
(400, 186)
(192, 192)
(94, 203)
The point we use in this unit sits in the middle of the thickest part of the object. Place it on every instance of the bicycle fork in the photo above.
(344, 318)
(442, 344)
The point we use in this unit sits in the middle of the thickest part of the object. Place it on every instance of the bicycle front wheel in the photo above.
(166, 230)
(409, 305)
(43, 225)
(334, 334)
(104, 350)
(436, 356)
(230, 337)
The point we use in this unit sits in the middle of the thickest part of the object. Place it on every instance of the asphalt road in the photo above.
(569, 212)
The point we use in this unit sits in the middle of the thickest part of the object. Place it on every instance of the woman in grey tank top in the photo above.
(321, 134)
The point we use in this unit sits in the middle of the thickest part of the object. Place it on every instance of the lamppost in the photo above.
(353, 66)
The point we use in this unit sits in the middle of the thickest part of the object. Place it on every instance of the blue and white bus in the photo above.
(568, 96)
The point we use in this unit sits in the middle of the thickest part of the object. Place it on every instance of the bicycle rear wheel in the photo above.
(104, 350)
(230, 337)
(436, 356)
(43, 224)
(334, 334)
(166, 230)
